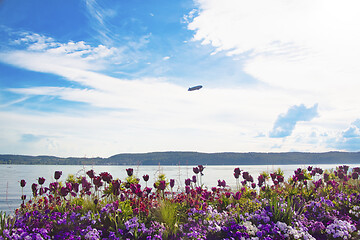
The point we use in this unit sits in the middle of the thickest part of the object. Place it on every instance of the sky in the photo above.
(97, 78)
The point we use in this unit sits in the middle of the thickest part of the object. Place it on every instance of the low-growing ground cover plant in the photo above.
(312, 204)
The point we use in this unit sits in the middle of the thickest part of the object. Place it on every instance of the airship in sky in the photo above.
(195, 88)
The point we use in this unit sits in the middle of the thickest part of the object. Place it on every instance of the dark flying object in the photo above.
(195, 88)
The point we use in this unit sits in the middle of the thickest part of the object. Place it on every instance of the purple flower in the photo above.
(64, 191)
(146, 178)
(97, 181)
(57, 174)
(201, 168)
(106, 177)
(22, 183)
(355, 175)
(130, 171)
(196, 170)
(194, 179)
(91, 173)
(34, 189)
(162, 185)
(41, 180)
(172, 183)
(187, 182)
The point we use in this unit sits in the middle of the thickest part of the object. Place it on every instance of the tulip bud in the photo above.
(172, 183)
(130, 171)
(22, 183)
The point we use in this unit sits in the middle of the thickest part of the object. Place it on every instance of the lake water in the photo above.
(10, 176)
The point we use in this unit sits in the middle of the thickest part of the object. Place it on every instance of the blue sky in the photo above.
(97, 78)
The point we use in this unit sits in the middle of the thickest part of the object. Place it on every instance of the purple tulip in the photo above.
(355, 175)
(97, 182)
(196, 170)
(130, 171)
(34, 189)
(201, 168)
(106, 177)
(237, 196)
(146, 178)
(187, 189)
(22, 183)
(253, 185)
(187, 182)
(162, 185)
(41, 180)
(23, 197)
(57, 174)
(172, 183)
(91, 173)
(194, 179)
(64, 191)
(237, 171)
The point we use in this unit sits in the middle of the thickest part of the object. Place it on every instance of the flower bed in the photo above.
(312, 204)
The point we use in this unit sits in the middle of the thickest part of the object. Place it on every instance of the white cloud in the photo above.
(307, 48)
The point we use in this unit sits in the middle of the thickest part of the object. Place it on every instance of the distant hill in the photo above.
(192, 158)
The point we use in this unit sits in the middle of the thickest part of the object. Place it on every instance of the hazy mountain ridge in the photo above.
(192, 158)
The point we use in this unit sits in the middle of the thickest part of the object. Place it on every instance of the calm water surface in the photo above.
(10, 176)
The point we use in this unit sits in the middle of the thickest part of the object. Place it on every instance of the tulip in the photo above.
(237, 171)
(23, 197)
(22, 183)
(146, 178)
(97, 182)
(91, 173)
(172, 183)
(130, 171)
(41, 180)
(196, 170)
(106, 177)
(34, 189)
(57, 174)
(253, 185)
(201, 168)
(355, 175)
(187, 182)
(194, 179)
(162, 185)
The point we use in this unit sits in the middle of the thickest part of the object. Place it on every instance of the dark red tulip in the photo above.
(23, 197)
(172, 183)
(130, 171)
(64, 191)
(237, 171)
(309, 168)
(106, 177)
(253, 185)
(187, 189)
(91, 173)
(187, 182)
(57, 174)
(146, 178)
(22, 183)
(236, 175)
(355, 175)
(75, 187)
(196, 170)
(41, 180)
(201, 168)
(97, 181)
